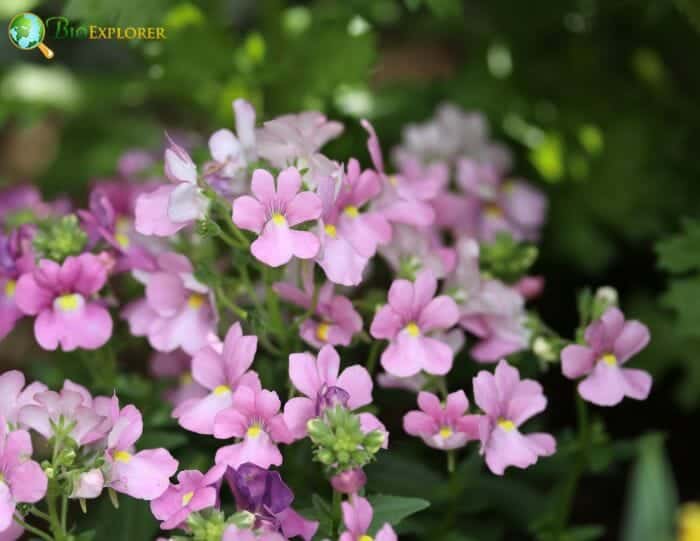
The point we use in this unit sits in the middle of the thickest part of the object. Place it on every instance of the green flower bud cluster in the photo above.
(506, 259)
(60, 238)
(211, 524)
(409, 267)
(339, 443)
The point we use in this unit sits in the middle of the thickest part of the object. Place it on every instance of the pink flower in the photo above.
(412, 312)
(177, 365)
(61, 298)
(89, 485)
(169, 208)
(612, 341)
(349, 481)
(442, 427)
(318, 379)
(221, 371)
(254, 418)
(507, 403)
(404, 200)
(193, 492)
(418, 249)
(336, 320)
(177, 311)
(357, 517)
(232, 533)
(16, 258)
(273, 212)
(12, 533)
(21, 479)
(488, 309)
(71, 408)
(144, 475)
(14, 395)
(232, 153)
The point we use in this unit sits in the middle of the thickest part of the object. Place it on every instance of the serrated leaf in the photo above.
(651, 495)
(393, 509)
(681, 253)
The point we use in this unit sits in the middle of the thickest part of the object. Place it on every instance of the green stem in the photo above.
(336, 510)
(373, 356)
(228, 303)
(64, 512)
(451, 461)
(38, 513)
(228, 239)
(31, 529)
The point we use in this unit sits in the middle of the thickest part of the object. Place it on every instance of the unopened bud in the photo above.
(349, 481)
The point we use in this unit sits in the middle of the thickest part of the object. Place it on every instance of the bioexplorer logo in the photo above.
(27, 31)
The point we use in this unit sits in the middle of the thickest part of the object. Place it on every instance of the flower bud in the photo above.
(349, 481)
(88, 485)
(374, 441)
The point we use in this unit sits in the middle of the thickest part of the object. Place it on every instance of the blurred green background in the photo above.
(598, 98)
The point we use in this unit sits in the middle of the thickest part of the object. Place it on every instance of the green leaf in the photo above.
(133, 520)
(393, 509)
(681, 253)
(682, 297)
(651, 496)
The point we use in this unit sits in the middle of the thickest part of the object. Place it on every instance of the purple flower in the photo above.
(61, 296)
(612, 341)
(177, 311)
(336, 321)
(412, 312)
(14, 395)
(174, 206)
(357, 517)
(72, 409)
(21, 479)
(144, 475)
(319, 380)
(221, 371)
(488, 309)
(442, 427)
(265, 495)
(193, 492)
(507, 403)
(16, 258)
(273, 212)
(255, 419)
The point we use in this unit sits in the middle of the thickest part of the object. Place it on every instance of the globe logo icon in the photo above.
(27, 31)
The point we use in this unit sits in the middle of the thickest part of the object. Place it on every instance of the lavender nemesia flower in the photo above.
(357, 517)
(611, 342)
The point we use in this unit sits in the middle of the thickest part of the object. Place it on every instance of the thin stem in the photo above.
(64, 512)
(228, 239)
(39, 513)
(451, 461)
(373, 356)
(336, 510)
(230, 304)
(31, 529)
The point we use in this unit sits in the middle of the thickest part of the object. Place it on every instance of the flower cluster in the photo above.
(255, 278)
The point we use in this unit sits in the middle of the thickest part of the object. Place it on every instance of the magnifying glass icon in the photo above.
(27, 31)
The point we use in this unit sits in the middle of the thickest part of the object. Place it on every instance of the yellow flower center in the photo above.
(2, 478)
(506, 425)
(195, 301)
(493, 210)
(609, 359)
(412, 329)
(322, 331)
(68, 303)
(445, 432)
(366, 538)
(122, 240)
(278, 219)
(185, 378)
(10, 288)
(254, 431)
(689, 522)
(187, 498)
(122, 456)
(393, 180)
(351, 211)
(221, 390)
(331, 231)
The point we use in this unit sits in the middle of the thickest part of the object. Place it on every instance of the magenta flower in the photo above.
(442, 427)
(177, 311)
(144, 475)
(169, 208)
(193, 492)
(61, 298)
(221, 371)
(21, 479)
(16, 258)
(612, 341)
(14, 395)
(357, 517)
(273, 212)
(255, 419)
(336, 321)
(319, 380)
(412, 312)
(507, 403)
(72, 409)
